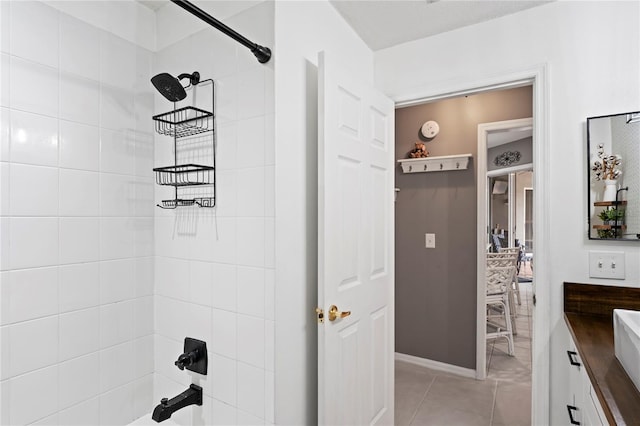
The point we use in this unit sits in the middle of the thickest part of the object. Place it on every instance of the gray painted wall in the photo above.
(524, 146)
(436, 288)
(499, 211)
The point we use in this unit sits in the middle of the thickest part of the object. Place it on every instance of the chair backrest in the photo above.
(499, 278)
(519, 250)
(510, 250)
(493, 257)
(501, 261)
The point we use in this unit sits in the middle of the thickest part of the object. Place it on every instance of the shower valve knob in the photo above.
(194, 356)
(186, 360)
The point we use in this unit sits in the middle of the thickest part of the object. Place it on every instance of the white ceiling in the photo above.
(219, 9)
(153, 4)
(383, 24)
(386, 23)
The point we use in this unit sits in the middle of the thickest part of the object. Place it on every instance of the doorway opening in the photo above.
(503, 175)
(442, 203)
(508, 356)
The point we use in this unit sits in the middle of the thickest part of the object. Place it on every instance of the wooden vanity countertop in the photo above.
(588, 312)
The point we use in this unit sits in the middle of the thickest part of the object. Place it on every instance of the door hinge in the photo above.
(320, 314)
(534, 299)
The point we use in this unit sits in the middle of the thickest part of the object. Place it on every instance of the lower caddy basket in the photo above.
(184, 202)
(184, 175)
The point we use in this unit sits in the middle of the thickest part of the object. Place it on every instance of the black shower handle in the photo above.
(187, 359)
(194, 356)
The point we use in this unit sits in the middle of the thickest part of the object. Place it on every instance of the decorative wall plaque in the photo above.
(507, 158)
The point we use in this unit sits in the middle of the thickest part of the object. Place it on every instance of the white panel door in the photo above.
(356, 248)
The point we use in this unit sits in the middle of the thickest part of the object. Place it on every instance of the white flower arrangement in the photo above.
(606, 168)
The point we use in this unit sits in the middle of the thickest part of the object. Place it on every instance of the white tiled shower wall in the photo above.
(214, 270)
(76, 224)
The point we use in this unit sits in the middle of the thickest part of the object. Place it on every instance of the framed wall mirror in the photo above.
(613, 155)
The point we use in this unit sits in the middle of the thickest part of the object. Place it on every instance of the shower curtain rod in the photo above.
(262, 53)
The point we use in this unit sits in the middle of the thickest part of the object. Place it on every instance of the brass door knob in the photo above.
(334, 313)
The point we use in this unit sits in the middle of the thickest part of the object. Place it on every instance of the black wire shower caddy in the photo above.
(182, 123)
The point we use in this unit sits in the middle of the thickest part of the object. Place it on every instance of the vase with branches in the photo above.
(607, 168)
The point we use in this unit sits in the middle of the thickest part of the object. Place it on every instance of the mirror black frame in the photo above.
(634, 116)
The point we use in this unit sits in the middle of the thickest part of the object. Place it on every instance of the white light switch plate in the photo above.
(606, 264)
(430, 240)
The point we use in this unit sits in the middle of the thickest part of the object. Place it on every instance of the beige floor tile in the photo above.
(453, 400)
(510, 368)
(513, 404)
(455, 390)
(412, 383)
(432, 414)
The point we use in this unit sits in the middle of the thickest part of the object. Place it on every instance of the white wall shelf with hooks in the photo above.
(435, 164)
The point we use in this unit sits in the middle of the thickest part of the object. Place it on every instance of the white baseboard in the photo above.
(436, 365)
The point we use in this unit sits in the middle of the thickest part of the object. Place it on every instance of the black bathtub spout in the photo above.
(167, 407)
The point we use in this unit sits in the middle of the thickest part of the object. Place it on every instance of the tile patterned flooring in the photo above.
(428, 397)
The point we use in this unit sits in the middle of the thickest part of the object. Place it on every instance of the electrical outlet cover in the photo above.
(430, 240)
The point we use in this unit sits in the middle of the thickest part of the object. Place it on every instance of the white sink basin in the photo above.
(626, 335)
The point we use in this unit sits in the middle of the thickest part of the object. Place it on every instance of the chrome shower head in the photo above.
(170, 87)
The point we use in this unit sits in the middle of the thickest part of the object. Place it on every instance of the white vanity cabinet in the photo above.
(599, 388)
(582, 405)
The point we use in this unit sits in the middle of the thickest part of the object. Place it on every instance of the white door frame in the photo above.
(537, 76)
(482, 178)
(524, 208)
(512, 169)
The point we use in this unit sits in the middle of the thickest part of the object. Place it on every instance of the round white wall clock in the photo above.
(430, 129)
